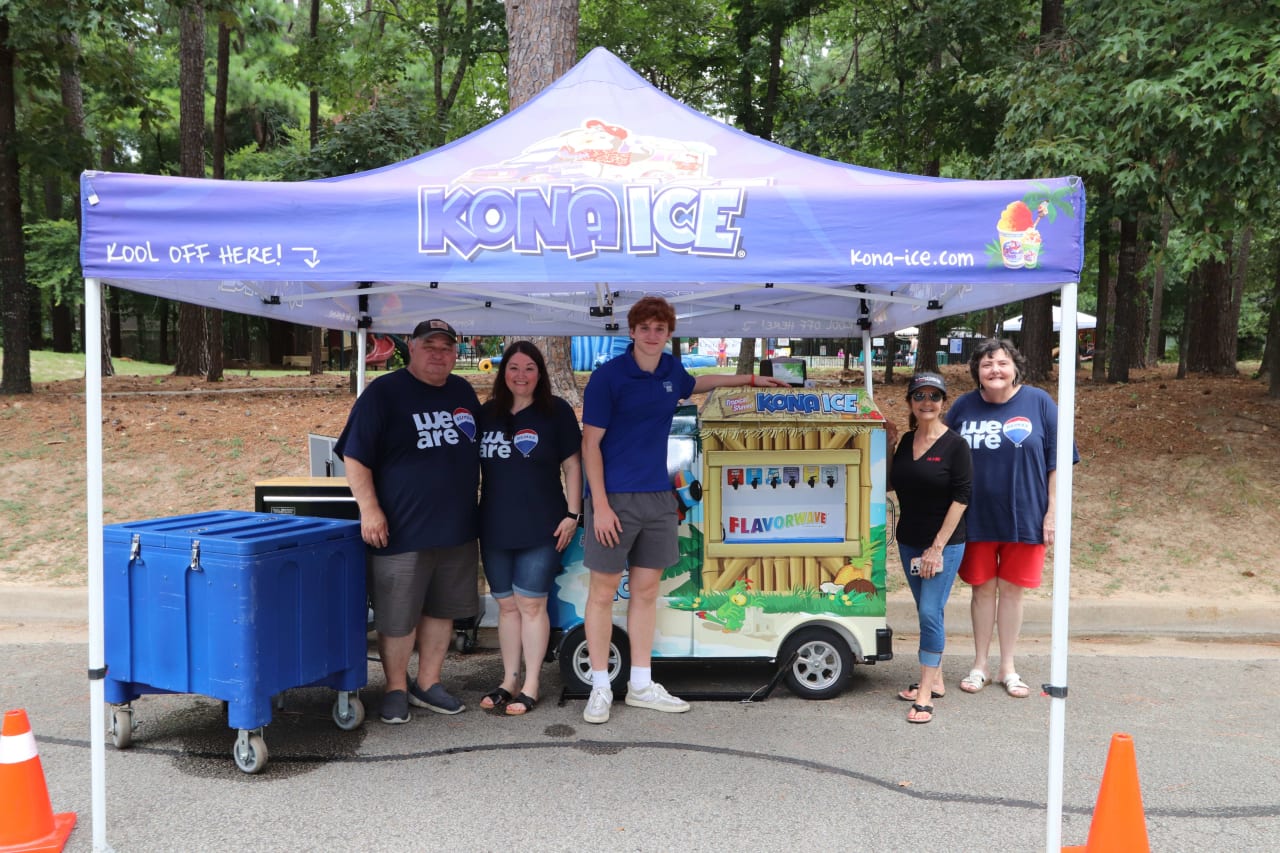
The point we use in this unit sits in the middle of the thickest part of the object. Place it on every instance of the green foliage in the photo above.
(53, 259)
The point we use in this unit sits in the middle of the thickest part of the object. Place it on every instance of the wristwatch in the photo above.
(576, 516)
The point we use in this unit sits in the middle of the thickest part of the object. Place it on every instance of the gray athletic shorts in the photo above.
(436, 582)
(648, 537)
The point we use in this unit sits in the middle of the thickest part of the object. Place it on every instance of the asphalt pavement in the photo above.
(781, 773)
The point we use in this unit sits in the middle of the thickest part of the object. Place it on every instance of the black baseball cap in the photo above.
(427, 328)
(926, 380)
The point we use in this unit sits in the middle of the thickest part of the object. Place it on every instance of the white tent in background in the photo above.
(1083, 321)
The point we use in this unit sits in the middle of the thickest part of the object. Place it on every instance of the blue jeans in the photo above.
(528, 571)
(931, 596)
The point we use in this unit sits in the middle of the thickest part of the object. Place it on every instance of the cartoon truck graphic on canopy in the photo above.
(782, 542)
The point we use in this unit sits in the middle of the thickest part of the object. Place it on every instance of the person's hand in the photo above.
(373, 528)
(930, 562)
(769, 382)
(606, 526)
(564, 532)
(1049, 527)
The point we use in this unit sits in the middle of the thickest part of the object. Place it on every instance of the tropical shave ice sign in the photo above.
(595, 188)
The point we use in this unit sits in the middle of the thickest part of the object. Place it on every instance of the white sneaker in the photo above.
(656, 698)
(597, 710)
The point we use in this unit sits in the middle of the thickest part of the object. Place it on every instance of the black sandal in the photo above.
(933, 694)
(921, 709)
(524, 699)
(496, 699)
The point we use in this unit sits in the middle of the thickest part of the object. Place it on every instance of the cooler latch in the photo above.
(195, 556)
(135, 547)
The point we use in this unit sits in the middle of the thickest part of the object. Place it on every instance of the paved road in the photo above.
(784, 773)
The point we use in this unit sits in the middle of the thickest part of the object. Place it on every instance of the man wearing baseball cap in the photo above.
(413, 463)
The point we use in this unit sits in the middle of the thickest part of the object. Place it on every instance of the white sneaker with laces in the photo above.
(656, 698)
(597, 710)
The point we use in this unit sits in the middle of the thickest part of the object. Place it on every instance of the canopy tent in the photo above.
(1083, 321)
(554, 220)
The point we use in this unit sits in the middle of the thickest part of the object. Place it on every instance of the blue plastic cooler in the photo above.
(238, 606)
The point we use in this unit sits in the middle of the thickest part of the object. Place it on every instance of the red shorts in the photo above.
(1018, 563)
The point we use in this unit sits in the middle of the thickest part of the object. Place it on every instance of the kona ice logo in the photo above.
(802, 404)
(580, 221)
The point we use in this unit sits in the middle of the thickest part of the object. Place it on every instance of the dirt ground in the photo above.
(1177, 492)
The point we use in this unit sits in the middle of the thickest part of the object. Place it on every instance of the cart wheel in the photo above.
(575, 664)
(354, 717)
(818, 663)
(250, 753)
(122, 727)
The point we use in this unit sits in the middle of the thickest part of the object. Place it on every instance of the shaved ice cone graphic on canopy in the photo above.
(1019, 239)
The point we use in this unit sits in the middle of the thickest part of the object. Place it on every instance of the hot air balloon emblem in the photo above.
(525, 441)
(465, 422)
(1017, 430)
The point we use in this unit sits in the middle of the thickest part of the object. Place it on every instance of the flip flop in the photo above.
(914, 689)
(974, 681)
(1015, 686)
(524, 699)
(918, 710)
(496, 699)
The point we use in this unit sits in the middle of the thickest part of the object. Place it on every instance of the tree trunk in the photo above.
(15, 376)
(1211, 336)
(927, 347)
(1126, 301)
(193, 342)
(317, 360)
(542, 39)
(221, 63)
(1037, 337)
(1271, 352)
(746, 357)
(1101, 339)
(1155, 334)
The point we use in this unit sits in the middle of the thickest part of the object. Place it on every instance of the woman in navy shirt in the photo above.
(527, 516)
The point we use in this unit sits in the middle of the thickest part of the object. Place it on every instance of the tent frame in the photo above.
(1056, 688)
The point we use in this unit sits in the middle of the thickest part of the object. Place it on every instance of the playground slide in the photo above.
(378, 350)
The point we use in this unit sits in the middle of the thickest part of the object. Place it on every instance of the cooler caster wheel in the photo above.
(122, 727)
(351, 716)
(250, 752)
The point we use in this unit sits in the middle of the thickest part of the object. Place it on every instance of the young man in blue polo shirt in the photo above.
(631, 520)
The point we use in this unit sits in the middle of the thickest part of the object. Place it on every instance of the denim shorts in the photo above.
(528, 571)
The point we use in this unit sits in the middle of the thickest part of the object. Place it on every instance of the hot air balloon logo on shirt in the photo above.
(1017, 430)
(525, 441)
(465, 422)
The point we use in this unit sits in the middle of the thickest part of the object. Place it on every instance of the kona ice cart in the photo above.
(782, 542)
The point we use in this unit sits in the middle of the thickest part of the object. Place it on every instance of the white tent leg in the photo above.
(1061, 566)
(866, 364)
(362, 338)
(93, 503)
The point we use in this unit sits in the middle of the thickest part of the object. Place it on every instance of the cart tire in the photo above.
(355, 714)
(464, 643)
(575, 665)
(253, 757)
(818, 663)
(122, 727)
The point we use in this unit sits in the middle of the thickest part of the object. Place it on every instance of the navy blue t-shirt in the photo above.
(1015, 446)
(421, 444)
(522, 499)
(636, 409)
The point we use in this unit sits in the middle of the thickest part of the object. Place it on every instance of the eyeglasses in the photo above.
(931, 396)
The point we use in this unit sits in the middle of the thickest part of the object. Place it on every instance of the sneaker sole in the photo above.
(418, 703)
(395, 721)
(657, 706)
(597, 720)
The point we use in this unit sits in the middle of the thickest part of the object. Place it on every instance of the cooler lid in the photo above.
(232, 531)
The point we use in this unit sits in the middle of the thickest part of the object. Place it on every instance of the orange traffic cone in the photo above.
(1119, 825)
(27, 821)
